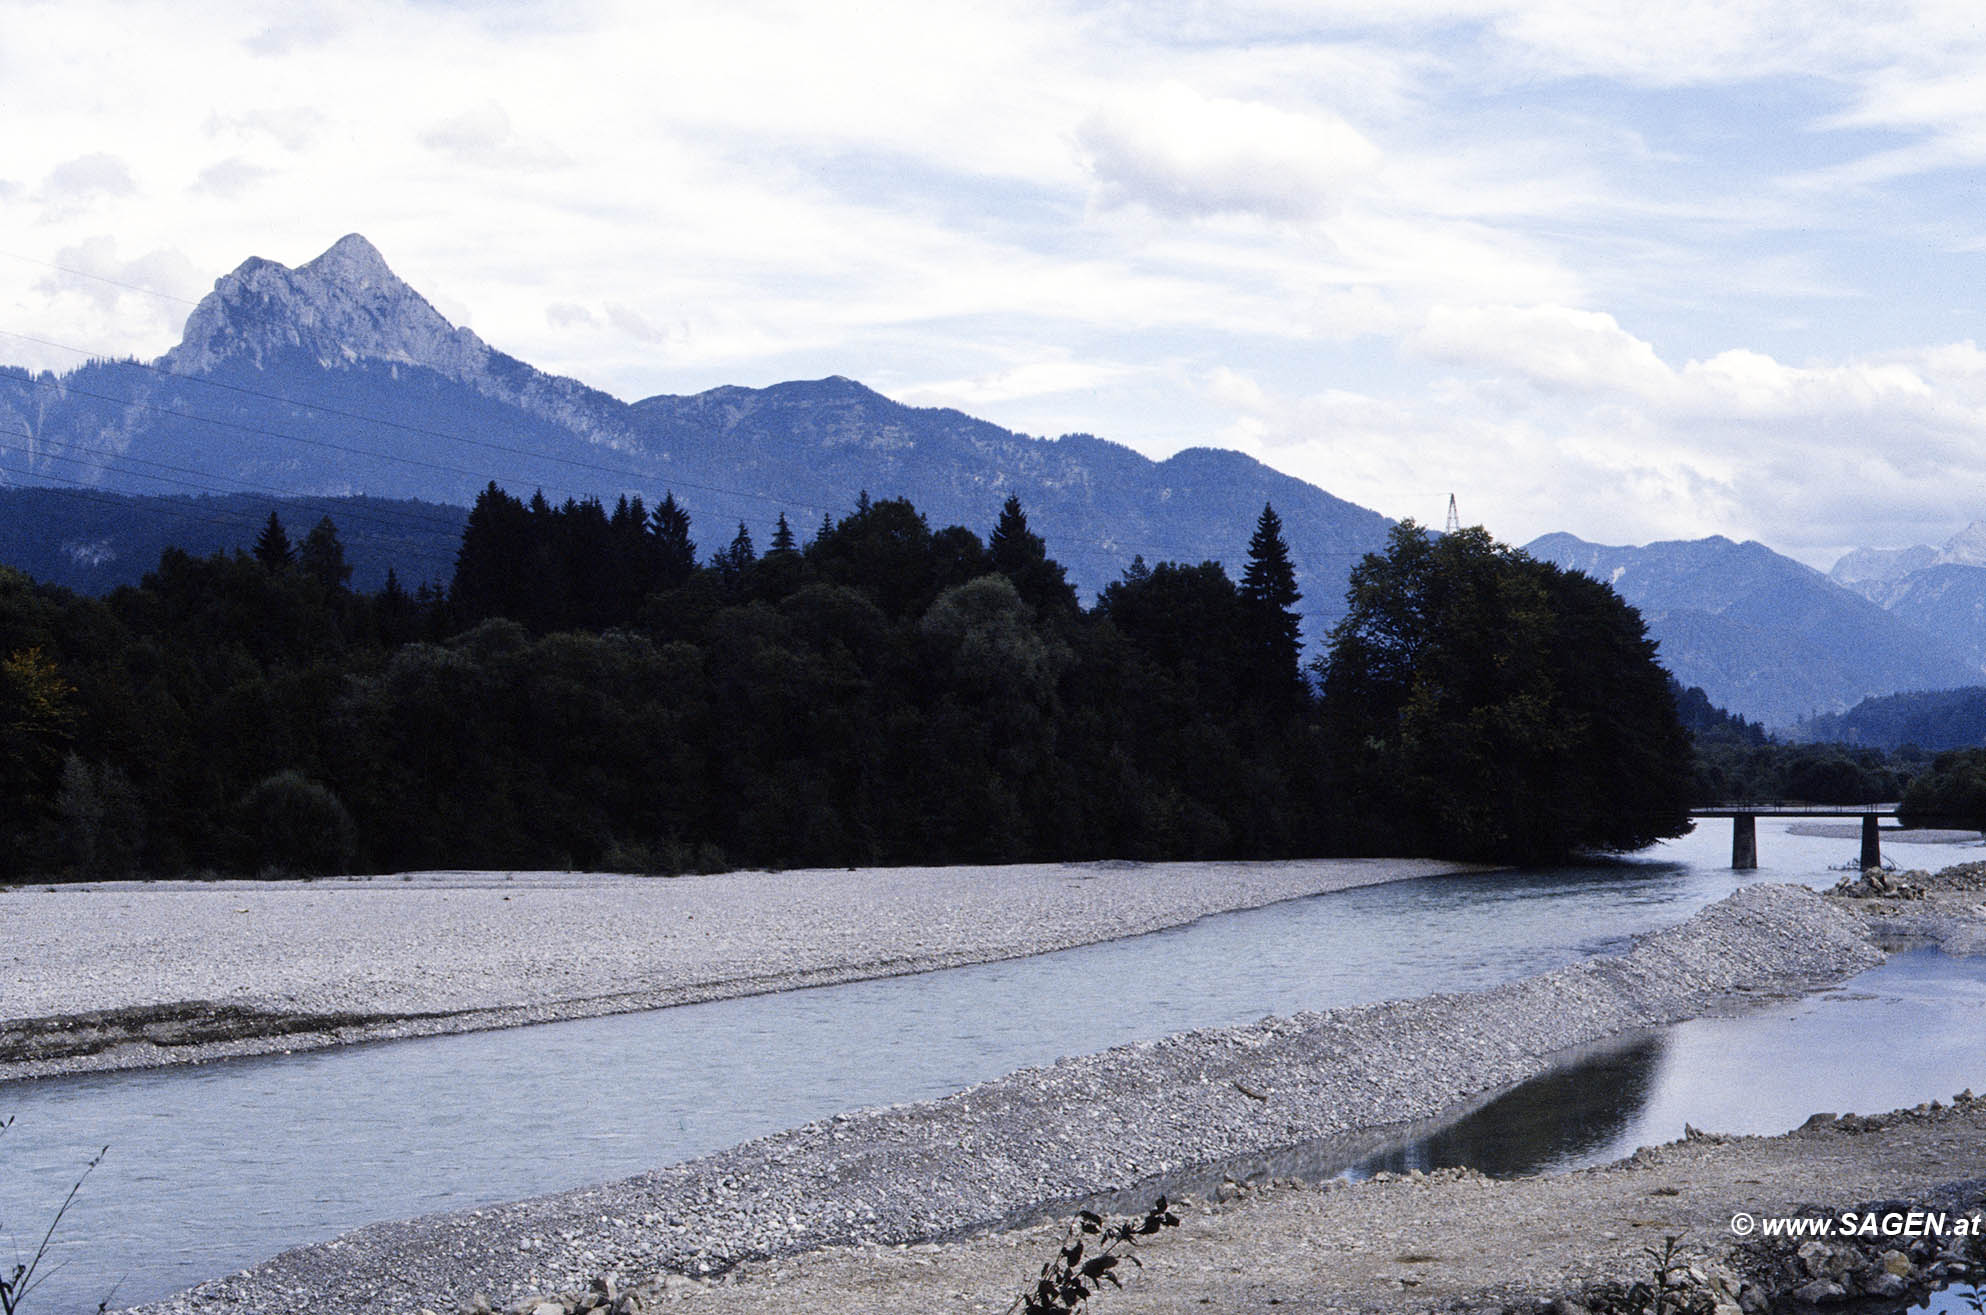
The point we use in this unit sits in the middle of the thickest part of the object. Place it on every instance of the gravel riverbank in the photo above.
(1456, 1241)
(124, 975)
(1118, 1122)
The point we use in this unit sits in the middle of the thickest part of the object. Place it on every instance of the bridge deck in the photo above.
(1795, 810)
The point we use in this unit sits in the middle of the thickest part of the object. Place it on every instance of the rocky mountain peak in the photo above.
(345, 306)
(1966, 548)
(353, 262)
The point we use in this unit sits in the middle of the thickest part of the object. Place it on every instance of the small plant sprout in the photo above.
(1088, 1258)
(27, 1275)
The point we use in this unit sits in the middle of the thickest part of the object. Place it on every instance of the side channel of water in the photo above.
(217, 1166)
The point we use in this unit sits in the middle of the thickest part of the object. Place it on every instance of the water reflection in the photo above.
(1568, 1114)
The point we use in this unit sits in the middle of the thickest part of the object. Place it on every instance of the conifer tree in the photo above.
(322, 556)
(675, 551)
(782, 537)
(1013, 544)
(272, 546)
(1268, 587)
(741, 553)
(1018, 553)
(492, 568)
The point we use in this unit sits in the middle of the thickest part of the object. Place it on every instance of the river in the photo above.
(213, 1167)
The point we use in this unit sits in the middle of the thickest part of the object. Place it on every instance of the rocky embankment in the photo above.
(1121, 1122)
(1941, 908)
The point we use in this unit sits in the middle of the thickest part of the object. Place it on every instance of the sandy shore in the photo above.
(129, 975)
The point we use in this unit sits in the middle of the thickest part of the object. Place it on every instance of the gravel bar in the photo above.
(1455, 1241)
(1101, 1125)
(124, 975)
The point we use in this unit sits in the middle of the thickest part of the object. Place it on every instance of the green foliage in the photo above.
(1485, 704)
(1736, 771)
(586, 694)
(1933, 720)
(1951, 793)
(1268, 589)
(272, 546)
(322, 557)
(100, 820)
(296, 825)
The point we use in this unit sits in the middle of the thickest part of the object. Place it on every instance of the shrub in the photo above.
(296, 824)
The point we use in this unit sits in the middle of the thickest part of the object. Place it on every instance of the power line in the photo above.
(85, 274)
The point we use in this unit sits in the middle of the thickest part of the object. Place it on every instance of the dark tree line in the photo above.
(593, 689)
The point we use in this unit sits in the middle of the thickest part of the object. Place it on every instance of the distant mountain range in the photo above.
(336, 379)
(1941, 589)
(1762, 634)
(335, 388)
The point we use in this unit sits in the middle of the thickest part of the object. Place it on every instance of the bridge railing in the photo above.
(1793, 806)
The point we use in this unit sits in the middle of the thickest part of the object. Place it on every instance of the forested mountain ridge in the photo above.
(1762, 634)
(338, 379)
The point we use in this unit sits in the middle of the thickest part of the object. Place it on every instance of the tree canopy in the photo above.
(1482, 702)
(585, 691)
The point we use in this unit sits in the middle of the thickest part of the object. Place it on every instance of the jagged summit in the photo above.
(1967, 547)
(354, 262)
(346, 305)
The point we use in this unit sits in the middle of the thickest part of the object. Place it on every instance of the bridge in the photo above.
(1744, 826)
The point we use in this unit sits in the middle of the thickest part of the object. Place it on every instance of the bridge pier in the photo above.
(1872, 845)
(1744, 842)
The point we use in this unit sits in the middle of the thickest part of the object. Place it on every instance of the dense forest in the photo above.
(592, 690)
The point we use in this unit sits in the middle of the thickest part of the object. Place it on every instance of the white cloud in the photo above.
(1045, 378)
(294, 31)
(1182, 153)
(76, 183)
(1550, 345)
(1573, 285)
(294, 128)
(484, 136)
(230, 177)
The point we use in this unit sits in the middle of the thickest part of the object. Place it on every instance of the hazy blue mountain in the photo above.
(1765, 636)
(337, 379)
(1932, 720)
(1875, 572)
(1948, 599)
(92, 541)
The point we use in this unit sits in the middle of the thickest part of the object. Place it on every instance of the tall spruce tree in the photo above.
(675, 551)
(1020, 554)
(1268, 588)
(272, 546)
(492, 568)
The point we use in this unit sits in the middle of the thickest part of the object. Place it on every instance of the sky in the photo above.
(1631, 271)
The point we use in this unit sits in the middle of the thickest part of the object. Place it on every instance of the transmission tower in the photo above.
(1454, 521)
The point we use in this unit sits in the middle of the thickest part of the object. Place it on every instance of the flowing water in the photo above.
(216, 1166)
